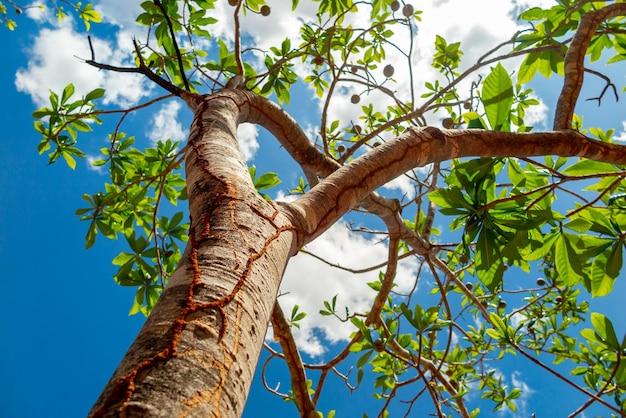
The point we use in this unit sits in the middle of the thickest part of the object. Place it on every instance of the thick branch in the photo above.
(575, 62)
(416, 147)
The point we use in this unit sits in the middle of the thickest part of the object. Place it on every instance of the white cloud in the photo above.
(55, 61)
(622, 135)
(537, 116)
(308, 282)
(165, 124)
(527, 391)
(404, 185)
(119, 12)
(90, 159)
(247, 134)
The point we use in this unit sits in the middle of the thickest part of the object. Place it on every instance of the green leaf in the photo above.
(605, 269)
(534, 13)
(71, 162)
(90, 238)
(528, 68)
(68, 91)
(267, 181)
(497, 96)
(588, 167)
(94, 94)
(604, 328)
(566, 260)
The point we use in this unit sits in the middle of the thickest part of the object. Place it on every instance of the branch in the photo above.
(603, 390)
(574, 62)
(174, 43)
(338, 193)
(608, 85)
(562, 378)
(420, 361)
(240, 68)
(189, 98)
(282, 333)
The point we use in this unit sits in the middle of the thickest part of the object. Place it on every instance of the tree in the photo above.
(197, 352)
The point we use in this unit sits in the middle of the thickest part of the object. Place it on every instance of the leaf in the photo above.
(604, 270)
(497, 96)
(267, 181)
(71, 162)
(534, 13)
(588, 167)
(528, 68)
(90, 238)
(604, 328)
(566, 260)
(68, 91)
(578, 225)
(94, 94)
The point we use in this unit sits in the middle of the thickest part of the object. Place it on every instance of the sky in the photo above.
(66, 322)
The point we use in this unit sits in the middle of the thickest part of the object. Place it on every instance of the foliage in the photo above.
(507, 216)
(85, 12)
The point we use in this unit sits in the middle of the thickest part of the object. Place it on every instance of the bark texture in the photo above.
(197, 352)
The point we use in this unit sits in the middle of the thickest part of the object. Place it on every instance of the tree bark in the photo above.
(197, 352)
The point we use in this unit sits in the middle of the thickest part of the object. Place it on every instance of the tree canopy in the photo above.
(497, 234)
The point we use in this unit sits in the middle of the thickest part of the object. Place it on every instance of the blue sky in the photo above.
(66, 322)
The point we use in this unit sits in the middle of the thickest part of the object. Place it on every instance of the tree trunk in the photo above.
(197, 352)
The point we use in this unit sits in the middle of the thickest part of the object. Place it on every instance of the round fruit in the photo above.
(355, 98)
(467, 105)
(463, 259)
(388, 70)
(18, 10)
(448, 123)
(265, 10)
(341, 149)
(318, 60)
(357, 129)
(407, 10)
(502, 304)
(395, 5)
(354, 69)
(541, 282)
(233, 2)
(379, 345)
(469, 285)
